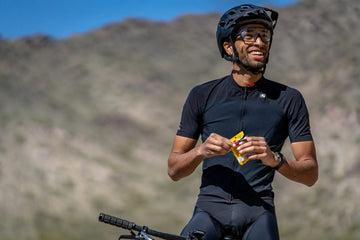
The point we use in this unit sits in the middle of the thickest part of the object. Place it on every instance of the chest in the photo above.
(253, 113)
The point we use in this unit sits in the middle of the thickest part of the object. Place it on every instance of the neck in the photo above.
(243, 77)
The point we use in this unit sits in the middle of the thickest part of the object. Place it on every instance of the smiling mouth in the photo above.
(257, 53)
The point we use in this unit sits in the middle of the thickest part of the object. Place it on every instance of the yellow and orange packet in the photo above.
(237, 139)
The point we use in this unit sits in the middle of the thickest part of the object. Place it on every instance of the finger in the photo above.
(253, 149)
(228, 144)
(221, 141)
(255, 139)
(248, 144)
(257, 156)
(214, 148)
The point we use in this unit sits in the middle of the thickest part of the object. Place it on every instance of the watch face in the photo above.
(281, 160)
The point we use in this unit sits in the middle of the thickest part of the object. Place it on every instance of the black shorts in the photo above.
(242, 221)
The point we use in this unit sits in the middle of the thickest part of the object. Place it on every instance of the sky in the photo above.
(63, 18)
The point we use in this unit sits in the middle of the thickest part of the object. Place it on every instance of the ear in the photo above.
(228, 48)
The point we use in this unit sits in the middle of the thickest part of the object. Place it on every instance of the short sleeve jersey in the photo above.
(268, 109)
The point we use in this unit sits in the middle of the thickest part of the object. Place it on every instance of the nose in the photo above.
(258, 39)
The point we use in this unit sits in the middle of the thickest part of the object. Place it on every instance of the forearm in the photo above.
(185, 157)
(304, 171)
(181, 165)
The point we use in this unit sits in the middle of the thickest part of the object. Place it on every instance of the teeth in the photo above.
(257, 53)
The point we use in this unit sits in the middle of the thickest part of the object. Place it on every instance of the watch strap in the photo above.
(281, 160)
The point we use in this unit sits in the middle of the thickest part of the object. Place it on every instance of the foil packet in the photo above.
(238, 139)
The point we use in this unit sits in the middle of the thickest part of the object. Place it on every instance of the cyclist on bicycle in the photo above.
(238, 199)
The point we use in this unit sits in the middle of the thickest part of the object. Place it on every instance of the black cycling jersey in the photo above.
(268, 109)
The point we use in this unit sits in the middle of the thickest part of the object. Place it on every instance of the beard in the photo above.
(257, 65)
(253, 66)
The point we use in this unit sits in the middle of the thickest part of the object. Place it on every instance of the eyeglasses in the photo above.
(249, 35)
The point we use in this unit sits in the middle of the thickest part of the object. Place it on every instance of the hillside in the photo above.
(87, 123)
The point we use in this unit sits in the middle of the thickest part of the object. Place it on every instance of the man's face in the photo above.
(252, 44)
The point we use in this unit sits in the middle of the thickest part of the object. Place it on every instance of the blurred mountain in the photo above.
(87, 123)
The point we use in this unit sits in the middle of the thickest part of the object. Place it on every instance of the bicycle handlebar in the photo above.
(115, 221)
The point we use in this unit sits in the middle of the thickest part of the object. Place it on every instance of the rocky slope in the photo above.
(87, 123)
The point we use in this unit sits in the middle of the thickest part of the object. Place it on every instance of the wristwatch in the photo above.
(281, 160)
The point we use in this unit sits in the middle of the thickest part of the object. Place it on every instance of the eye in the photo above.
(248, 35)
(248, 38)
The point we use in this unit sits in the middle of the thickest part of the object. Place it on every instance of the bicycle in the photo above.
(143, 232)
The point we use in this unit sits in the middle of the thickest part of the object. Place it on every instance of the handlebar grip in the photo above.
(132, 226)
(117, 221)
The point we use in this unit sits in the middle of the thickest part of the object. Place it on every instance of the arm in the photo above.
(303, 170)
(185, 156)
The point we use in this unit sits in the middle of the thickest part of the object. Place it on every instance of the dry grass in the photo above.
(87, 124)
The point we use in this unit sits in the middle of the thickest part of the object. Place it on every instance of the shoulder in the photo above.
(280, 91)
(208, 86)
(205, 89)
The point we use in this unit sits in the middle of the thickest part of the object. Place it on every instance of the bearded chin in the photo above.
(259, 65)
(256, 67)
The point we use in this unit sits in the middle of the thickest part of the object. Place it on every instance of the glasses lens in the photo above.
(249, 35)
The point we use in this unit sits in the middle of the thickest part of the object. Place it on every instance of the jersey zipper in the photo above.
(243, 109)
(243, 105)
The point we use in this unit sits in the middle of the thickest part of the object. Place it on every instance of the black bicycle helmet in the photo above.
(238, 16)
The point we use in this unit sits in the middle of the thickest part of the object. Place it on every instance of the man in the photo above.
(238, 199)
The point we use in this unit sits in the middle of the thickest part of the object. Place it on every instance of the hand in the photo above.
(215, 145)
(260, 149)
